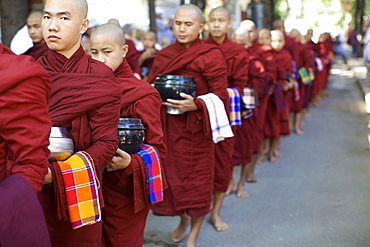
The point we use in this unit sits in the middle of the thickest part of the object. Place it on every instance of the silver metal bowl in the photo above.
(61, 144)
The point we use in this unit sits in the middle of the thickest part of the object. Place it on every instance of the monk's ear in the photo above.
(84, 25)
(124, 50)
(201, 27)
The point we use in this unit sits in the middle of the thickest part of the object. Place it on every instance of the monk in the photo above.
(285, 68)
(147, 55)
(264, 36)
(237, 75)
(266, 54)
(247, 135)
(290, 43)
(85, 100)
(39, 47)
(126, 201)
(189, 166)
(24, 140)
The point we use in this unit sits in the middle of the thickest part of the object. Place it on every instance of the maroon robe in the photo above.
(85, 100)
(266, 54)
(189, 166)
(291, 46)
(24, 140)
(132, 56)
(125, 191)
(37, 50)
(236, 58)
(285, 62)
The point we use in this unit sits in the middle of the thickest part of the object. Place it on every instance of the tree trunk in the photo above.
(152, 24)
(13, 17)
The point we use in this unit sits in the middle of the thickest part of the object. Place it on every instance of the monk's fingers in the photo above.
(122, 154)
(186, 96)
(174, 102)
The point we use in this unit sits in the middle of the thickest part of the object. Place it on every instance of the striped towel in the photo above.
(217, 116)
(249, 98)
(235, 110)
(81, 189)
(247, 114)
(153, 173)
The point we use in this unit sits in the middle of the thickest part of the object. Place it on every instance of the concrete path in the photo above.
(317, 195)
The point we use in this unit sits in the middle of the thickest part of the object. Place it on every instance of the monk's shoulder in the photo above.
(100, 68)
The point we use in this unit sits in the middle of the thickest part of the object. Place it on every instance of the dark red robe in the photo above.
(237, 59)
(291, 46)
(85, 99)
(125, 191)
(24, 139)
(189, 166)
(266, 54)
(285, 64)
(37, 50)
(132, 56)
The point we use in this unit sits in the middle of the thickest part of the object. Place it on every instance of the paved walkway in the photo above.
(317, 195)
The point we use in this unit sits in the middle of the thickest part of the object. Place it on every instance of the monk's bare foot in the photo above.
(251, 179)
(260, 159)
(231, 188)
(272, 159)
(306, 114)
(180, 232)
(219, 224)
(241, 192)
(277, 154)
(298, 131)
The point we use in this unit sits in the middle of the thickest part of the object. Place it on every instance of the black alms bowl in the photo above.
(131, 134)
(170, 86)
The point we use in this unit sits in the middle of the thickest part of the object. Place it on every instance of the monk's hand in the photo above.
(48, 177)
(188, 104)
(121, 161)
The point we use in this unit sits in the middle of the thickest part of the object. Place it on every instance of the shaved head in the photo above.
(279, 25)
(114, 21)
(111, 30)
(222, 10)
(81, 6)
(248, 25)
(191, 8)
(37, 13)
(240, 36)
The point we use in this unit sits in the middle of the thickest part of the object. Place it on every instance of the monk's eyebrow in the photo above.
(59, 13)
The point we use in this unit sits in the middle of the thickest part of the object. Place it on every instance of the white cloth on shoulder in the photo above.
(217, 116)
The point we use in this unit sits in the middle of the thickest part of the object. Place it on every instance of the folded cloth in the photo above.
(235, 110)
(81, 189)
(153, 173)
(250, 98)
(247, 114)
(297, 95)
(22, 221)
(305, 77)
(319, 64)
(217, 116)
(279, 98)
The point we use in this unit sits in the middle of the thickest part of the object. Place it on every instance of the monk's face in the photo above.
(219, 24)
(277, 42)
(149, 40)
(34, 29)
(106, 50)
(62, 26)
(264, 38)
(187, 27)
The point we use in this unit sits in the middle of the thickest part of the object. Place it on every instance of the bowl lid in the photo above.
(130, 123)
(59, 132)
(175, 79)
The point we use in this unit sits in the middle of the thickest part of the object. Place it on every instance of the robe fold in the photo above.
(189, 166)
(37, 50)
(291, 46)
(125, 191)
(285, 62)
(85, 99)
(25, 122)
(266, 54)
(237, 61)
(24, 139)
(133, 56)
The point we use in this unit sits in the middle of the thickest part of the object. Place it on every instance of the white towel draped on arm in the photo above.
(217, 116)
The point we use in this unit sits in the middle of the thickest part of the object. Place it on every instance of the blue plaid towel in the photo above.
(235, 114)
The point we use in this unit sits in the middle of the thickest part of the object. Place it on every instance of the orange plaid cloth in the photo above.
(81, 189)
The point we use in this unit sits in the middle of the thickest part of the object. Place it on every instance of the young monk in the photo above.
(83, 92)
(189, 163)
(39, 47)
(291, 44)
(246, 136)
(24, 140)
(285, 68)
(147, 55)
(264, 37)
(266, 54)
(237, 67)
(125, 194)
